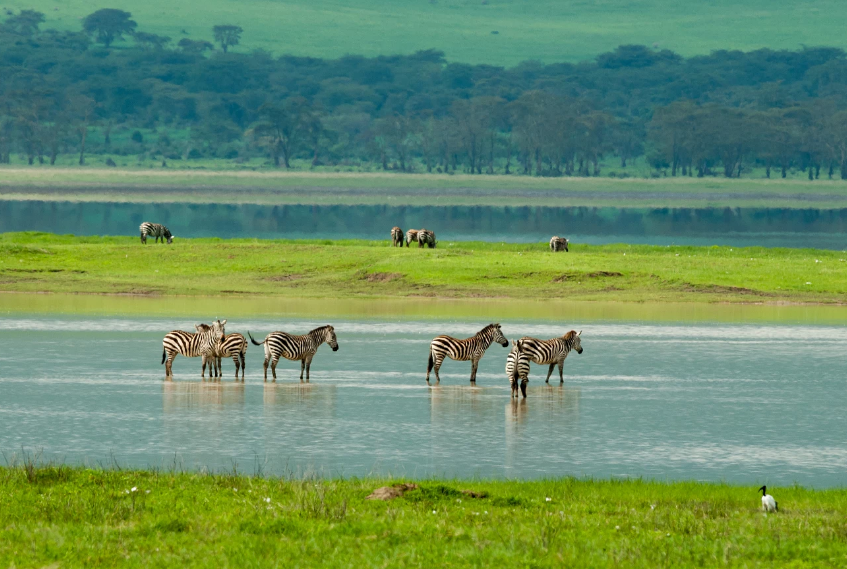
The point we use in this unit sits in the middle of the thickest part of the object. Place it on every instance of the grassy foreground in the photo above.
(274, 187)
(76, 517)
(41, 262)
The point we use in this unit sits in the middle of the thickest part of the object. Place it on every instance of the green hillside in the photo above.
(547, 30)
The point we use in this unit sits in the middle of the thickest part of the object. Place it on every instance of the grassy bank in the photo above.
(38, 262)
(546, 30)
(358, 188)
(77, 517)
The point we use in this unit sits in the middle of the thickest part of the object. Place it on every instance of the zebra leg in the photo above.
(203, 367)
(237, 365)
(266, 368)
(561, 377)
(169, 364)
(243, 365)
(474, 363)
(550, 372)
(438, 362)
(273, 367)
(308, 367)
(302, 367)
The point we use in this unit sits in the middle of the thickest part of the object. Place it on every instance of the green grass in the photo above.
(75, 517)
(39, 262)
(547, 30)
(358, 188)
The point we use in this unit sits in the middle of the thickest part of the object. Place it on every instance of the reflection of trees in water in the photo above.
(193, 395)
(370, 221)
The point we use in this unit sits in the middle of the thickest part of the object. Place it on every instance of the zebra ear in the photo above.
(223, 322)
(579, 333)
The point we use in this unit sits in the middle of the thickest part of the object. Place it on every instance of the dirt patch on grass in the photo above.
(382, 277)
(585, 276)
(284, 278)
(721, 289)
(45, 271)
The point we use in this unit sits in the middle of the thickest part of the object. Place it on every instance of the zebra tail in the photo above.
(430, 364)
(164, 352)
(254, 341)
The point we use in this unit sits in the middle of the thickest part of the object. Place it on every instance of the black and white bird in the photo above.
(768, 503)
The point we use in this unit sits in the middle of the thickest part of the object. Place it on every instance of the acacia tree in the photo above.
(227, 35)
(25, 23)
(108, 25)
(280, 128)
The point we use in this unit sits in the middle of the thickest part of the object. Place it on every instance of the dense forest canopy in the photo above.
(719, 114)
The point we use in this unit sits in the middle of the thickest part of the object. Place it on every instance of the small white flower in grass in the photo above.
(808, 282)
(133, 489)
(433, 511)
(458, 500)
(617, 527)
(652, 506)
(669, 535)
(267, 500)
(486, 512)
(126, 491)
(548, 499)
(235, 489)
(147, 491)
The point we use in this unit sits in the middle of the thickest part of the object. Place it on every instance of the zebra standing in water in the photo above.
(517, 368)
(558, 244)
(396, 237)
(190, 345)
(553, 351)
(426, 237)
(290, 347)
(157, 230)
(463, 350)
(232, 346)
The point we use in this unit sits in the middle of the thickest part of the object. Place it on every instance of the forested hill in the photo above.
(724, 113)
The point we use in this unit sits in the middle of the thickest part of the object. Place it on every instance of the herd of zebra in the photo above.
(423, 237)
(212, 344)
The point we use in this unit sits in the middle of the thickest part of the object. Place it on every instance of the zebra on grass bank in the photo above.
(463, 350)
(411, 235)
(191, 345)
(517, 368)
(290, 347)
(396, 237)
(157, 230)
(426, 237)
(231, 346)
(558, 244)
(552, 352)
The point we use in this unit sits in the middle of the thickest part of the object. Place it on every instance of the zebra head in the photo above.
(565, 243)
(218, 327)
(497, 335)
(170, 239)
(574, 341)
(330, 338)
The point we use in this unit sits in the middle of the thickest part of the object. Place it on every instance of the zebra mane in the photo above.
(319, 329)
(488, 328)
(569, 337)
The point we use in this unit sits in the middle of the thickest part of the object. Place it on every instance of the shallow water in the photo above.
(743, 403)
(769, 227)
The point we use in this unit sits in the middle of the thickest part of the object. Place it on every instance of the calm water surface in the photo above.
(743, 403)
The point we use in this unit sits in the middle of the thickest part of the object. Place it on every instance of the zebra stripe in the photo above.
(396, 237)
(411, 235)
(232, 346)
(552, 352)
(157, 230)
(426, 237)
(517, 368)
(190, 345)
(463, 350)
(558, 244)
(290, 347)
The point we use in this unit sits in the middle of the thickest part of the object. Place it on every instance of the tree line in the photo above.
(719, 114)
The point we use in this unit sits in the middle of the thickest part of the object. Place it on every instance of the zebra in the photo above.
(411, 235)
(190, 345)
(558, 244)
(463, 350)
(157, 230)
(396, 237)
(232, 346)
(294, 348)
(517, 368)
(426, 237)
(553, 351)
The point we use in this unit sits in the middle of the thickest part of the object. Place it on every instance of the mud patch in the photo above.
(390, 492)
(382, 277)
(719, 289)
(585, 276)
(284, 278)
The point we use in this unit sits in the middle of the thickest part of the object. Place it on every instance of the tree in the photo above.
(153, 41)
(25, 23)
(108, 25)
(194, 46)
(227, 36)
(280, 128)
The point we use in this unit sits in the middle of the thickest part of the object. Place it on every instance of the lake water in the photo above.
(742, 403)
(769, 227)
